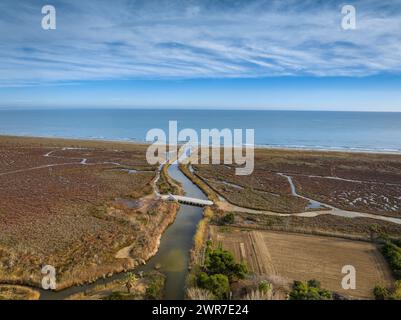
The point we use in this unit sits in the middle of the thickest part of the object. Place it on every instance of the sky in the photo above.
(219, 54)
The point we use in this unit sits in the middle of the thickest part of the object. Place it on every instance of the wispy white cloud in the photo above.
(100, 40)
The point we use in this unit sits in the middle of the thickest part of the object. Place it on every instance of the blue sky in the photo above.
(201, 54)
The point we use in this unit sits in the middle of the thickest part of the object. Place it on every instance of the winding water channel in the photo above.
(173, 254)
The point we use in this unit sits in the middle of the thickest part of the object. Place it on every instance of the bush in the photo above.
(228, 218)
(309, 291)
(396, 294)
(392, 253)
(265, 287)
(202, 280)
(218, 284)
(154, 290)
(381, 293)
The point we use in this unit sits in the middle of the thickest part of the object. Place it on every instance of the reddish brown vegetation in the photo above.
(56, 210)
(351, 181)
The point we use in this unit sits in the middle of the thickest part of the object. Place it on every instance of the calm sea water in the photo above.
(295, 129)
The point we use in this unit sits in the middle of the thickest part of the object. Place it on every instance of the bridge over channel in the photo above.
(187, 200)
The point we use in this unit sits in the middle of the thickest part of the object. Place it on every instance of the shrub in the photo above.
(396, 294)
(228, 218)
(381, 293)
(392, 253)
(265, 287)
(218, 284)
(154, 290)
(309, 291)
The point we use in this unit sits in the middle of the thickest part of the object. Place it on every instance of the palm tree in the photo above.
(130, 280)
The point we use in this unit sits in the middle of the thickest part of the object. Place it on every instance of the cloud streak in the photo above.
(177, 39)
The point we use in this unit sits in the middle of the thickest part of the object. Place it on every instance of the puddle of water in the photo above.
(314, 205)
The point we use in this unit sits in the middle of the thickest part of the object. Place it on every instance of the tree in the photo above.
(309, 291)
(218, 284)
(130, 280)
(314, 283)
(223, 262)
(392, 253)
(202, 280)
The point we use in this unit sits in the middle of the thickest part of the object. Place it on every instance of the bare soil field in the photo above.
(74, 205)
(305, 257)
(363, 182)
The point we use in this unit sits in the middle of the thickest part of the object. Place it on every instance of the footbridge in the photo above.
(187, 200)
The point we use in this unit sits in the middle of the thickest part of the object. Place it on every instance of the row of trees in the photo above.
(310, 290)
(391, 250)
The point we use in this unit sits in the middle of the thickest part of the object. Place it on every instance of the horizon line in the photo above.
(189, 109)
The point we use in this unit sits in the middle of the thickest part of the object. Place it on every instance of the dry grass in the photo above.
(195, 293)
(199, 182)
(66, 215)
(201, 236)
(352, 228)
(117, 290)
(246, 191)
(8, 292)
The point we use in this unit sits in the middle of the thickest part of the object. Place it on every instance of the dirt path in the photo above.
(79, 161)
(39, 167)
(349, 180)
(224, 205)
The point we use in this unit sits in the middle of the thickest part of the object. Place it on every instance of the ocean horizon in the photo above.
(316, 130)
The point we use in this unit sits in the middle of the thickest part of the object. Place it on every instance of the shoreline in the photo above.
(133, 142)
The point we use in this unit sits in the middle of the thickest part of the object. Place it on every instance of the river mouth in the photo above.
(172, 257)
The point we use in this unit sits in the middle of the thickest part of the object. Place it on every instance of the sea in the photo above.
(323, 130)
